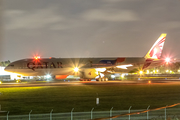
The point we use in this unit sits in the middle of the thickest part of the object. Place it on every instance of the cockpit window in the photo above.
(11, 65)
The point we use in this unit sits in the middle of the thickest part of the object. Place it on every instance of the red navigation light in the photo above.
(37, 57)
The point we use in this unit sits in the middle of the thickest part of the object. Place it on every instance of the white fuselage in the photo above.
(65, 66)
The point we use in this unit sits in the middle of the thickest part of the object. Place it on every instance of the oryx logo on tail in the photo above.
(156, 50)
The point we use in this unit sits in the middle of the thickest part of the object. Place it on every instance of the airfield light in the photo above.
(141, 72)
(167, 60)
(149, 81)
(48, 76)
(157, 70)
(122, 75)
(76, 69)
(0, 82)
(113, 76)
(167, 70)
(147, 71)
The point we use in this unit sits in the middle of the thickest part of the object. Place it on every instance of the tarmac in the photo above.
(80, 83)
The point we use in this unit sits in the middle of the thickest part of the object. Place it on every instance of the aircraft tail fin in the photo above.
(156, 50)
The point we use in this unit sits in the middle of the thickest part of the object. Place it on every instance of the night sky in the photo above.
(88, 28)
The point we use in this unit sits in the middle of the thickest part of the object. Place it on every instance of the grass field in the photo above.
(20, 100)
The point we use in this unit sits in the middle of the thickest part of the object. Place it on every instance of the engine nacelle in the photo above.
(89, 73)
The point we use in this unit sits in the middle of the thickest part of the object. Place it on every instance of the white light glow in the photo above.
(141, 72)
(100, 69)
(167, 60)
(122, 75)
(48, 76)
(113, 76)
(124, 66)
(76, 69)
(100, 75)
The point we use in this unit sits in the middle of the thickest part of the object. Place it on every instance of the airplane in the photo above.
(87, 68)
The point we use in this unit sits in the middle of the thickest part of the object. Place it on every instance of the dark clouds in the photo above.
(88, 28)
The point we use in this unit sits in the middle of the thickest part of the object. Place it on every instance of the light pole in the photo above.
(111, 113)
(51, 114)
(7, 114)
(72, 114)
(165, 112)
(130, 112)
(92, 113)
(147, 113)
(29, 115)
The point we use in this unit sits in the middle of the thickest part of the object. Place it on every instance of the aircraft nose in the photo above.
(8, 69)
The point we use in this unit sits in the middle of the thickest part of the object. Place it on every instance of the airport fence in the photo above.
(164, 113)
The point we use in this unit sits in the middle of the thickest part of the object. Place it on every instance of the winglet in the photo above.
(156, 50)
